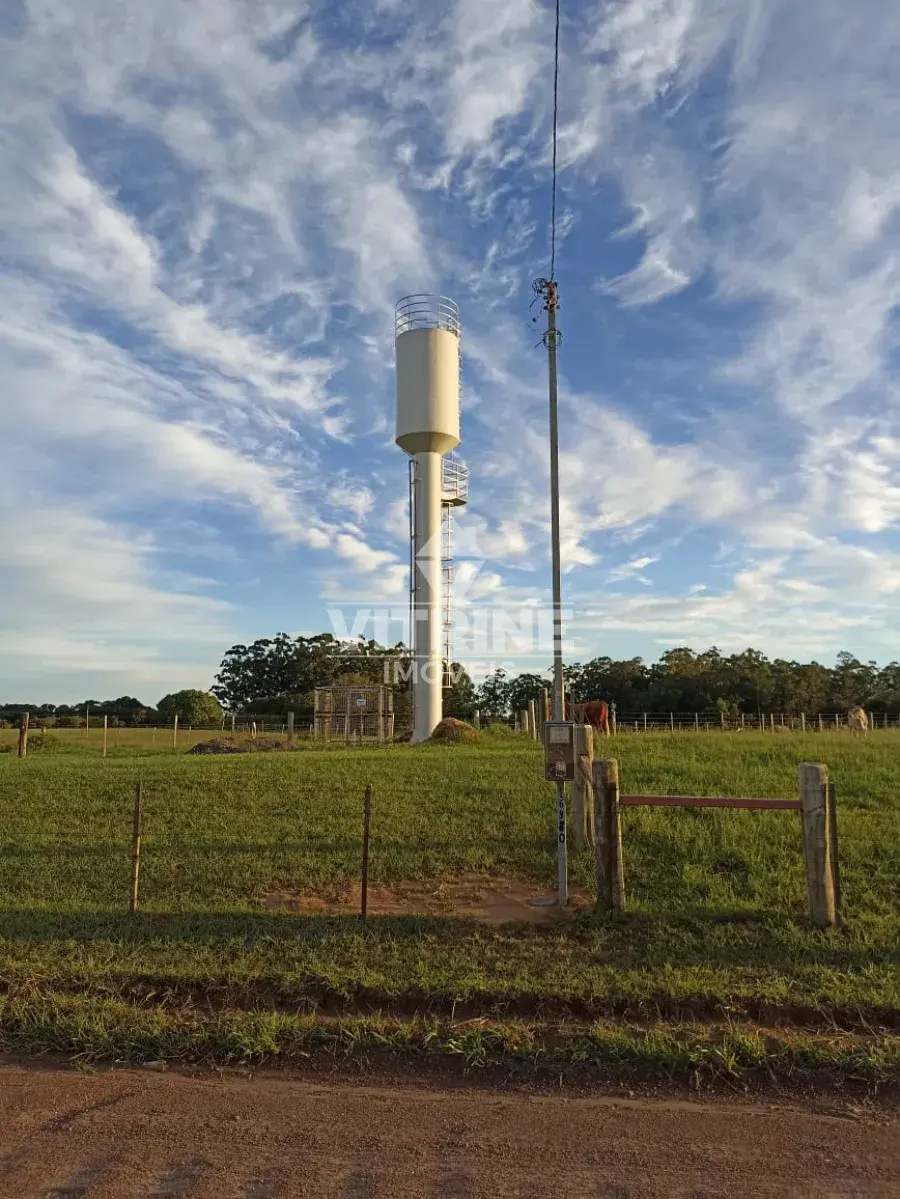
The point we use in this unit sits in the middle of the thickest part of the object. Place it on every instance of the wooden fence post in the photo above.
(645, 722)
(367, 829)
(813, 780)
(835, 854)
(802, 722)
(837, 721)
(583, 787)
(105, 733)
(672, 721)
(608, 843)
(476, 718)
(23, 736)
(135, 848)
(290, 726)
(532, 718)
(742, 720)
(175, 733)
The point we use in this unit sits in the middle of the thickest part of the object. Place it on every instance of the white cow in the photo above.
(858, 721)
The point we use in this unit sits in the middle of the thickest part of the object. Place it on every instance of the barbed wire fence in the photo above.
(366, 727)
(714, 720)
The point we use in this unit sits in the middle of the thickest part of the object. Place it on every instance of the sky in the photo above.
(208, 209)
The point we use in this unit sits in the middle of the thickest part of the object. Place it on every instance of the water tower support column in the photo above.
(427, 612)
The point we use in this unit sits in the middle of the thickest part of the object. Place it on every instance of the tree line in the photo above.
(683, 680)
(280, 674)
(191, 706)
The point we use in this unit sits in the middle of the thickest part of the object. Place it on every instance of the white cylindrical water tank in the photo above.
(427, 347)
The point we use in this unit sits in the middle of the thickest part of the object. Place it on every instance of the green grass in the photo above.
(120, 742)
(716, 924)
(110, 1030)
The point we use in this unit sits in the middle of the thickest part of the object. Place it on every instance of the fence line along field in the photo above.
(246, 944)
(120, 738)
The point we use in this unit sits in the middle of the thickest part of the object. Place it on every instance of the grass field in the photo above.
(120, 742)
(713, 965)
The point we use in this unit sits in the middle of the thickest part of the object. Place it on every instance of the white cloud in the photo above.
(354, 498)
(498, 51)
(809, 603)
(632, 569)
(364, 557)
(84, 606)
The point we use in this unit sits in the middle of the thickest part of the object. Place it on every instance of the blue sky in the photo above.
(208, 209)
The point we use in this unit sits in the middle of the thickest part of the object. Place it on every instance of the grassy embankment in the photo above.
(713, 969)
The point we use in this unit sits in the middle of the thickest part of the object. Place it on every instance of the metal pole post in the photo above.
(551, 340)
(552, 337)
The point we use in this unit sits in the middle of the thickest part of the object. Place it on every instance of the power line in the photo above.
(555, 125)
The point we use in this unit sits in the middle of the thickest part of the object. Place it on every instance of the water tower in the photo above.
(426, 330)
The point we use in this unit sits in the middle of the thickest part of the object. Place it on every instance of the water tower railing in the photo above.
(426, 312)
(454, 481)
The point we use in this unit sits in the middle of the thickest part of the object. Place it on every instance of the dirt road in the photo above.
(135, 1133)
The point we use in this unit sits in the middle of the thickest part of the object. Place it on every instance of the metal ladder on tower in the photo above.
(455, 493)
(447, 583)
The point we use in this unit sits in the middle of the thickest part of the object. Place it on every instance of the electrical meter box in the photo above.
(559, 750)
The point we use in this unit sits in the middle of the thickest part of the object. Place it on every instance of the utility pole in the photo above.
(547, 290)
(551, 341)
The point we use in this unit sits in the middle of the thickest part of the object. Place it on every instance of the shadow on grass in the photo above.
(341, 846)
(641, 941)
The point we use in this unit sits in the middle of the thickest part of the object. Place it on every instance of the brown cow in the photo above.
(595, 713)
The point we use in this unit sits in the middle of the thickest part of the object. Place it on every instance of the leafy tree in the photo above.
(191, 707)
(603, 678)
(281, 674)
(271, 668)
(886, 696)
(493, 696)
(525, 687)
(853, 683)
(460, 698)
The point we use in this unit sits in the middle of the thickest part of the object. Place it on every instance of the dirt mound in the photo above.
(453, 730)
(220, 745)
(246, 745)
(487, 899)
